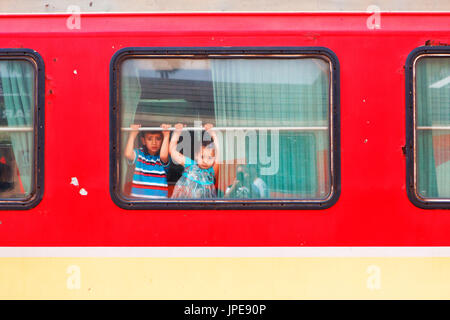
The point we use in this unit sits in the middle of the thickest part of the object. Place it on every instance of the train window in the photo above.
(429, 127)
(21, 116)
(248, 129)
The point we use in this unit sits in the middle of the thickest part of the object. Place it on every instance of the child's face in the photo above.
(153, 142)
(206, 158)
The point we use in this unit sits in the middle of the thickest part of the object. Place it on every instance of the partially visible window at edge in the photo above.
(432, 118)
(17, 105)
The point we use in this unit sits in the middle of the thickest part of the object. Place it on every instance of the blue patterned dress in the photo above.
(195, 182)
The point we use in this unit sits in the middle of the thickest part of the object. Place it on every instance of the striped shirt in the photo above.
(150, 176)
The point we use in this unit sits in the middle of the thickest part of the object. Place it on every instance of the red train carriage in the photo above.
(348, 135)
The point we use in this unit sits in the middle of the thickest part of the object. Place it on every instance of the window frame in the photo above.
(411, 139)
(202, 204)
(38, 130)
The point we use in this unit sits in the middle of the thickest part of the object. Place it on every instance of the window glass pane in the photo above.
(433, 127)
(17, 100)
(270, 118)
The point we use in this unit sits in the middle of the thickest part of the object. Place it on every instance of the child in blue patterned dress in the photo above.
(197, 180)
(151, 162)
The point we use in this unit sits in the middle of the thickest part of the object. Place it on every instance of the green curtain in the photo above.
(433, 110)
(18, 92)
(277, 93)
(130, 91)
(130, 95)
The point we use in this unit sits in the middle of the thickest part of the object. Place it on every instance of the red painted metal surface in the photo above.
(373, 209)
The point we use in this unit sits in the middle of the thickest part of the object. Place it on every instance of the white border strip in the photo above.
(221, 252)
(170, 12)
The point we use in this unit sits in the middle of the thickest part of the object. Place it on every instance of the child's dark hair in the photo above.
(205, 142)
(142, 135)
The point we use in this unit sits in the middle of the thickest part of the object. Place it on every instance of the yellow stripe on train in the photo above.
(225, 278)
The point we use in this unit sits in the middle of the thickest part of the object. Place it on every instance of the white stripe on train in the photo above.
(224, 252)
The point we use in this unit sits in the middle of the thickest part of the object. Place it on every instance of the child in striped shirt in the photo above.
(151, 162)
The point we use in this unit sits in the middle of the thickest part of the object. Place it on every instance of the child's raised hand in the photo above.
(208, 128)
(179, 127)
(165, 127)
(135, 128)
